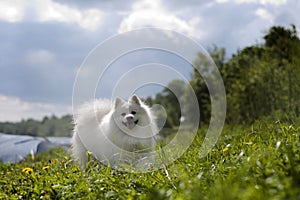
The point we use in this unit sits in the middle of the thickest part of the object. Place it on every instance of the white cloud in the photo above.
(264, 14)
(12, 10)
(151, 13)
(14, 109)
(48, 10)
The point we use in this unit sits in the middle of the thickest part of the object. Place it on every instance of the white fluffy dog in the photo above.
(113, 132)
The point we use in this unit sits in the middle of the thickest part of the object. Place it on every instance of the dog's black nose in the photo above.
(129, 117)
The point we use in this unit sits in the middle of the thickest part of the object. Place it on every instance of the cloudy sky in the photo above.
(44, 42)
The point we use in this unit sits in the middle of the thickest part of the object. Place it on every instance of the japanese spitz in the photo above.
(113, 132)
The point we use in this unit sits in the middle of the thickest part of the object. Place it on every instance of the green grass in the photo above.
(261, 161)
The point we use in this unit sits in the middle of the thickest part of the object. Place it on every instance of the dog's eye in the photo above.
(133, 112)
(123, 114)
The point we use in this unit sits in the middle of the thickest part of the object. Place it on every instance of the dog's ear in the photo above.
(118, 101)
(135, 99)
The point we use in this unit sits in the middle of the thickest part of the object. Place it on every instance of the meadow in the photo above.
(259, 161)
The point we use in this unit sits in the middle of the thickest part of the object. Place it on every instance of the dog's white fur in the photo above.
(113, 131)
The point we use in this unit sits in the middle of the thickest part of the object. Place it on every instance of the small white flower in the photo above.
(248, 159)
(199, 175)
(241, 154)
(277, 145)
(213, 167)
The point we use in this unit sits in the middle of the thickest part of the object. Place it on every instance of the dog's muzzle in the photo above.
(129, 121)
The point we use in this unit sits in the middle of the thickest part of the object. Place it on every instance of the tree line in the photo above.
(261, 81)
(48, 126)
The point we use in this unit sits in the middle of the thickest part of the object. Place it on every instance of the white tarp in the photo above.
(14, 148)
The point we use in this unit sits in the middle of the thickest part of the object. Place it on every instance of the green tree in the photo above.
(264, 79)
(260, 80)
(52, 126)
(205, 66)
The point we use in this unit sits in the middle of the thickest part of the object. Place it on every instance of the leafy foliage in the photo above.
(263, 80)
(260, 80)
